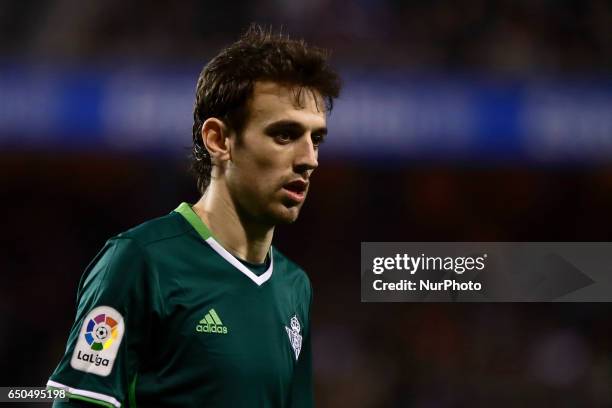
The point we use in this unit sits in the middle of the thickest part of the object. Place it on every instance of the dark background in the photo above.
(63, 196)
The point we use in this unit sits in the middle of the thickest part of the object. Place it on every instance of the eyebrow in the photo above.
(292, 125)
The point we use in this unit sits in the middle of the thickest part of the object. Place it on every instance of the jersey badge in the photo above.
(295, 338)
(211, 323)
(98, 343)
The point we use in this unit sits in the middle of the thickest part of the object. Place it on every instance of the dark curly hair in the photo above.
(226, 83)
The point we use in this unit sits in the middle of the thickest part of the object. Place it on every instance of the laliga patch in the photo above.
(99, 341)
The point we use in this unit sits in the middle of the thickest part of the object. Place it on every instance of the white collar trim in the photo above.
(259, 280)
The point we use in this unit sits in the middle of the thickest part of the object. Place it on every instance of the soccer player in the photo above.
(196, 308)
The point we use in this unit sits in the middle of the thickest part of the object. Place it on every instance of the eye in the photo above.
(282, 137)
(317, 139)
(285, 136)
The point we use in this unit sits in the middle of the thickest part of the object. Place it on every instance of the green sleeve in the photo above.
(112, 326)
(302, 387)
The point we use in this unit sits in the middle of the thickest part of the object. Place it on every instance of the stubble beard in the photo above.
(280, 212)
(287, 214)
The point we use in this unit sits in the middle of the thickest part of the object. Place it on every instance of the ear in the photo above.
(215, 138)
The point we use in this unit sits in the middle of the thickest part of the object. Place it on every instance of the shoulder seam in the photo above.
(145, 243)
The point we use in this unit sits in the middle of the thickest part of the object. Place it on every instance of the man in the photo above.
(196, 308)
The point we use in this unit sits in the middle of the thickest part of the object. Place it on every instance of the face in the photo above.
(268, 174)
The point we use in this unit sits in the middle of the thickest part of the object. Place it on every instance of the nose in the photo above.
(306, 158)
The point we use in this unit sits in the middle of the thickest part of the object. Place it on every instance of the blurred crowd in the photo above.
(512, 37)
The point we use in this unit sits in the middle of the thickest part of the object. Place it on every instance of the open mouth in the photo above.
(296, 190)
(297, 186)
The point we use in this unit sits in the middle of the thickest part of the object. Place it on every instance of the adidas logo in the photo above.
(211, 323)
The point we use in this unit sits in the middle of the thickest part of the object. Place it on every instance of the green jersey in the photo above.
(167, 317)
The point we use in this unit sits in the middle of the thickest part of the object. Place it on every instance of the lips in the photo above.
(296, 190)
(296, 186)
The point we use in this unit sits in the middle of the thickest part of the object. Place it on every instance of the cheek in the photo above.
(256, 176)
(259, 167)
(263, 163)
(259, 170)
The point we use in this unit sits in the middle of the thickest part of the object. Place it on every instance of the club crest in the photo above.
(295, 338)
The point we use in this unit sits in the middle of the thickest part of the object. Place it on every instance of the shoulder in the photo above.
(130, 251)
(157, 230)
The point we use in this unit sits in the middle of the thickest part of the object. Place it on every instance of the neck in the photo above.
(243, 237)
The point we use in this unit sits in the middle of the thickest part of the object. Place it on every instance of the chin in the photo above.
(286, 219)
(285, 215)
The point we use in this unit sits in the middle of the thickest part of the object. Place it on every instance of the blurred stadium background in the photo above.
(468, 121)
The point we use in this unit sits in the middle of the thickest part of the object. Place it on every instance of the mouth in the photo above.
(296, 190)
